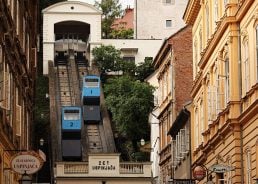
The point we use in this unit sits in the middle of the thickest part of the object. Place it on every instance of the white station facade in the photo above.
(75, 22)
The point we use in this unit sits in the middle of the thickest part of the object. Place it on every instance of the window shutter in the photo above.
(183, 141)
(18, 120)
(6, 92)
(174, 159)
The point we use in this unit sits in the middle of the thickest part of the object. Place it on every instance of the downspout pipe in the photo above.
(240, 95)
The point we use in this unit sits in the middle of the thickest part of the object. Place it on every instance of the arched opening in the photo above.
(72, 30)
(71, 39)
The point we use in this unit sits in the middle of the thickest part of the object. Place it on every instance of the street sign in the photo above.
(199, 172)
(27, 162)
(219, 168)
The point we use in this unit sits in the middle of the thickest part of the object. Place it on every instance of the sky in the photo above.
(124, 3)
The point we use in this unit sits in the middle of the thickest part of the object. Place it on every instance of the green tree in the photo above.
(127, 67)
(122, 33)
(111, 9)
(144, 69)
(130, 103)
(106, 58)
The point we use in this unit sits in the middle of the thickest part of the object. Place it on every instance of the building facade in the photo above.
(174, 65)
(149, 25)
(18, 61)
(86, 21)
(126, 21)
(225, 71)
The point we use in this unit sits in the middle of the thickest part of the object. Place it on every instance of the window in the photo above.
(24, 34)
(168, 23)
(216, 12)
(220, 91)
(246, 68)
(18, 112)
(169, 1)
(201, 120)
(227, 80)
(71, 115)
(195, 58)
(1, 75)
(211, 102)
(200, 40)
(129, 59)
(257, 53)
(18, 18)
(248, 167)
(196, 130)
(207, 22)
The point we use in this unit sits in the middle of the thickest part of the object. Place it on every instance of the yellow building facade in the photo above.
(225, 91)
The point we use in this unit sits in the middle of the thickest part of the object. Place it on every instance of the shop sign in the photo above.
(219, 168)
(199, 172)
(28, 162)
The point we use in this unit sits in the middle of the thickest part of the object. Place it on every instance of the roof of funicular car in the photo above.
(71, 107)
(92, 77)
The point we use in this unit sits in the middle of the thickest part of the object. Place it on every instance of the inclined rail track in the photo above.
(64, 86)
(93, 134)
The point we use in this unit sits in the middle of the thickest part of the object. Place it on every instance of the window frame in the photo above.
(170, 22)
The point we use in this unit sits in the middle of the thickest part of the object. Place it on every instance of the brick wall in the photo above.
(183, 73)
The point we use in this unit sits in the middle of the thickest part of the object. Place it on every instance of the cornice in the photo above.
(191, 12)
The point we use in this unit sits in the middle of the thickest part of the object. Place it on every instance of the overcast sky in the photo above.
(124, 3)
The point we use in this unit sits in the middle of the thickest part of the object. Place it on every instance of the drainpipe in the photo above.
(240, 95)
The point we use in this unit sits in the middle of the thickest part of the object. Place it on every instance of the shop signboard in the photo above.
(28, 162)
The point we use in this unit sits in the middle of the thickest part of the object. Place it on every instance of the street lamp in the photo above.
(41, 142)
(25, 179)
(142, 142)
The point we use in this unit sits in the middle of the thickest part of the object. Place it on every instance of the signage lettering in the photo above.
(29, 162)
(103, 165)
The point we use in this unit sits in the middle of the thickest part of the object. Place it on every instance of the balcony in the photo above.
(82, 169)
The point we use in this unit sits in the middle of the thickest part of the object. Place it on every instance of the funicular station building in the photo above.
(71, 29)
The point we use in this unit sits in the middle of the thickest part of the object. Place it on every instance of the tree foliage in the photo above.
(111, 9)
(130, 103)
(144, 69)
(106, 58)
(122, 33)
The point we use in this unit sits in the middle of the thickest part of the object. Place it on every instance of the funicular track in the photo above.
(65, 93)
(68, 85)
(95, 140)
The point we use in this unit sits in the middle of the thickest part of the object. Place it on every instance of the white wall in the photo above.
(153, 25)
(154, 124)
(63, 11)
(146, 48)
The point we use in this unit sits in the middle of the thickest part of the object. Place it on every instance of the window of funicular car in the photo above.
(71, 115)
(91, 82)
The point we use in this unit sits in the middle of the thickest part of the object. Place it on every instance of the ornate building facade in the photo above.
(225, 71)
(173, 64)
(18, 60)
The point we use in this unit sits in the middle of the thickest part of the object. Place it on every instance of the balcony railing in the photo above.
(81, 169)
